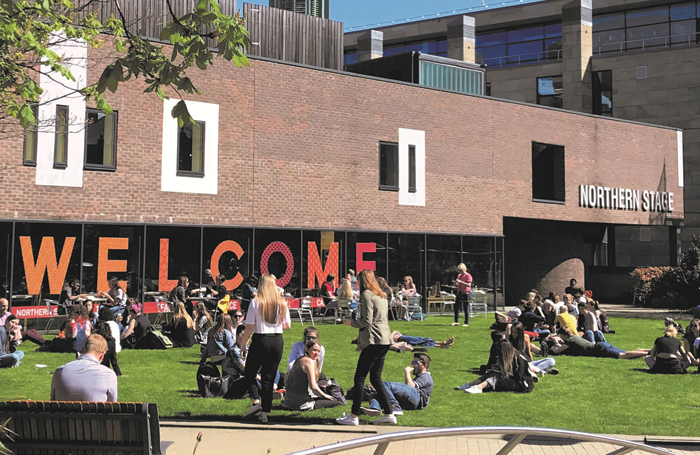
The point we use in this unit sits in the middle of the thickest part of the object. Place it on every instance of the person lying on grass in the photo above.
(578, 346)
(413, 393)
(403, 343)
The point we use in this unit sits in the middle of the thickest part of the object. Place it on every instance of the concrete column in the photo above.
(577, 49)
(370, 45)
(461, 39)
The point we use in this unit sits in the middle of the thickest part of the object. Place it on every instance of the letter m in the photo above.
(315, 271)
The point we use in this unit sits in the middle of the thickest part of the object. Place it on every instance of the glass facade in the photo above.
(519, 46)
(40, 257)
(451, 78)
(659, 26)
(432, 47)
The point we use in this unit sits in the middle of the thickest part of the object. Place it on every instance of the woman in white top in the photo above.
(268, 316)
(116, 296)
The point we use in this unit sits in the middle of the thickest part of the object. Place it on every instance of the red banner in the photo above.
(23, 312)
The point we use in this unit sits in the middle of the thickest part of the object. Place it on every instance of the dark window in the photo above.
(683, 11)
(602, 93)
(411, 168)
(647, 36)
(548, 173)
(683, 32)
(350, 58)
(388, 166)
(609, 22)
(525, 34)
(647, 16)
(60, 156)
(100, 140)
(190, 150)
(550, 91)
(529, 51)
(487, 91)
(30, 135)
(393, 50)
(519, 46)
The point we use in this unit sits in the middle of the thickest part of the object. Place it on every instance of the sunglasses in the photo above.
(309, 337)
(238, 315)
(416, 363)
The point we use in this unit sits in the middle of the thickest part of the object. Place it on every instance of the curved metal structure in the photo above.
(382, 441)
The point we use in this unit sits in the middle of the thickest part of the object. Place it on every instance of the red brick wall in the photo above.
(299, 147)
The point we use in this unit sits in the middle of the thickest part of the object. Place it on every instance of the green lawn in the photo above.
(592, 395)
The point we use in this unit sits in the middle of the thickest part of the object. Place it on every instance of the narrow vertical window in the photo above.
(388, 166)
(548, 174)
(30, 137)
(191, 150)
(100, 140)
(60, 157)
(602, 93)
(411, 168)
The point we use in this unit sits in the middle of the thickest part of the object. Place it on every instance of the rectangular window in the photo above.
(60, 156)
(100, 140)
(190, 150)
(388, 166)
(411, 168)
(550, 91)
(602, 93)
(548, 181)
(30, 135)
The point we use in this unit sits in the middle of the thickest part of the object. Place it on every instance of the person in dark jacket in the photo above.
(110, 357)
(138, 326)
(181, 330)
(513, 373)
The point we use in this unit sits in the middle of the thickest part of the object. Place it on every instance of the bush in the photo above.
(652, 286)
(686, 277)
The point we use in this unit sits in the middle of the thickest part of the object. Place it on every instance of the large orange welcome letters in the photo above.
(360, 250)
(223, 247)
(45, 262)
(164, 284)
(105, 265)
(315, 271)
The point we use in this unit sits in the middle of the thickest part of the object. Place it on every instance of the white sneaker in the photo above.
(465, 325)
(402, 348)
(398, 412)
(454, 324)
(370, 412)
(387, 418)
(253, 410)
(348, 420)
(473, 389)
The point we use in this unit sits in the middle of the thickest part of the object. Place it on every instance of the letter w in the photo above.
(46, 262)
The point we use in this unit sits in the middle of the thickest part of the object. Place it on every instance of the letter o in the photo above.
(278, 247)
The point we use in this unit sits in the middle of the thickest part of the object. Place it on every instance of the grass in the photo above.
(590, 394)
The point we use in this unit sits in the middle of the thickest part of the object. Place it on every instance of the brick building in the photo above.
(302, 171)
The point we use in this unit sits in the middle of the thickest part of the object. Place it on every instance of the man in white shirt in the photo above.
(310, 333)
(86, 379)
(516, 311)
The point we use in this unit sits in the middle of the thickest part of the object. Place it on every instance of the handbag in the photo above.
(332, 388)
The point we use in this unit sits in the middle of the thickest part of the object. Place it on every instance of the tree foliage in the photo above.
(28, 28)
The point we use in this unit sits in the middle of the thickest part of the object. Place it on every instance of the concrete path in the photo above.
(254, 439)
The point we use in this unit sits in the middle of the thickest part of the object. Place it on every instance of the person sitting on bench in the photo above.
(86, 379)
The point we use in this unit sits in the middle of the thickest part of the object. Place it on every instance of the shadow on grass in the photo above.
(641, 370)
(187, 362)
(291, 418)
(190, 393)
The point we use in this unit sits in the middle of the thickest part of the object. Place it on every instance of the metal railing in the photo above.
(668, 41)
(518, 434)
(533, 57)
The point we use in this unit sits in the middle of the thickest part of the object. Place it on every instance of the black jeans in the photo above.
(371, 361)
(462, 301)
(264, 355)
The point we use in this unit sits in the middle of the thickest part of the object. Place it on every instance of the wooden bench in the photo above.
(65, 427)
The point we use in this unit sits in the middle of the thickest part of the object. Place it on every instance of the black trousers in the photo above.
(462, 301)
(371, 362)
(264, 355)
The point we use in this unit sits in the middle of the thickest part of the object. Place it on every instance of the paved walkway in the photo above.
(254, 439)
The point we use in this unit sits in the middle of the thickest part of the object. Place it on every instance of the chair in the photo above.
(414, 307)
(447, 299)
(52, 316)
(302, 306)
(435, 296)
(478, 301)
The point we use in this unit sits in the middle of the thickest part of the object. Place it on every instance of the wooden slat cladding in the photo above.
(294, 37)
(146, 17)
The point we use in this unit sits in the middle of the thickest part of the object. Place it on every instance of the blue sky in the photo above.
(358, 13)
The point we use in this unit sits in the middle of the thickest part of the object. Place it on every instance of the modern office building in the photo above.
(630, 59)
(317, 8)
(304, 171)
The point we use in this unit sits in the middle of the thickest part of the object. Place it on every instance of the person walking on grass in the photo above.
(268, 316)
(373, 341)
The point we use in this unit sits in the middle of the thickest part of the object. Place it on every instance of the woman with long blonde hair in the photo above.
(374, 341)
(268, 316)
(181, 329)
